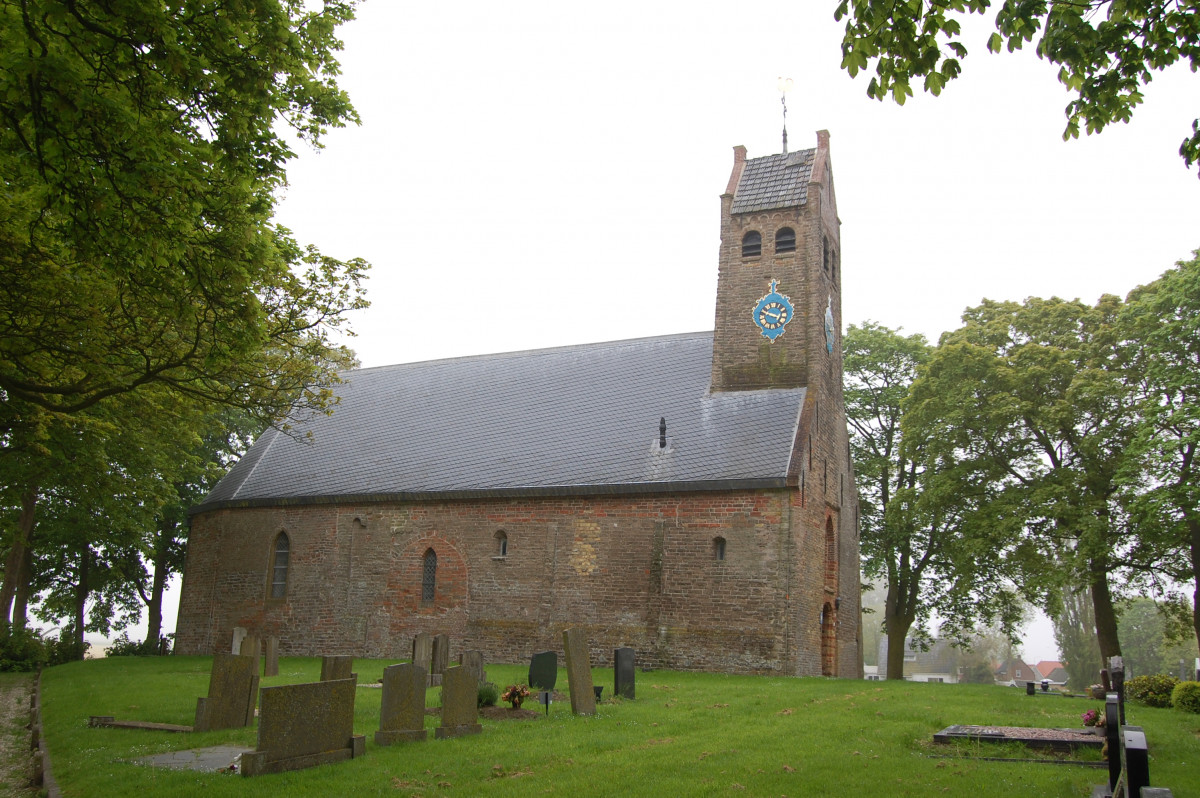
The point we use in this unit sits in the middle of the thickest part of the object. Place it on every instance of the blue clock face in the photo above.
(773, 312)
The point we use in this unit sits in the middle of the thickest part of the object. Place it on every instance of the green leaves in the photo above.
(1106, 50)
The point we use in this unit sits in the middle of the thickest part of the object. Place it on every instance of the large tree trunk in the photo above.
(20, 612)
(896, 623)
(81, 594)
(1106, 617)
(166, 532)
(22, 541)
(1194, 528)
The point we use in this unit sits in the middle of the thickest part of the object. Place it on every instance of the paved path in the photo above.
(16, 766)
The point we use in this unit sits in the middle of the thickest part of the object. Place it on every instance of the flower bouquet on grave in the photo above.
(514, 694)
(1093, 717)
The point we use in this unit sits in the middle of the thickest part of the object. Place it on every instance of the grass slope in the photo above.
(687, 734)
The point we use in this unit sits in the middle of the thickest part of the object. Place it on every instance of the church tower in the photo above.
(778, 312)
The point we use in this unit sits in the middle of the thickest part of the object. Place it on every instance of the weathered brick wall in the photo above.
(639, 571)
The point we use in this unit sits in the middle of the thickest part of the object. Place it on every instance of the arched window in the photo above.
(279, 566)
(718, 549)
(752, 244)
(501, 544)
(429, 577)
(785, 240)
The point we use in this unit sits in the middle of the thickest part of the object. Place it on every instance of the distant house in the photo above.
(938, 664)
(1016, 673)
(1056, 676)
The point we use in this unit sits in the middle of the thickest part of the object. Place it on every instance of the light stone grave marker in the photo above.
(460, 704)
(473, 661)
(239, 633)
(304, 725)
(271, 665)
(422, 655)
(336, 668)
(402, 707)
(441, 658)
(579, 672)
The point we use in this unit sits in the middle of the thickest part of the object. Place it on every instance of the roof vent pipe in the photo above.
(662, 433)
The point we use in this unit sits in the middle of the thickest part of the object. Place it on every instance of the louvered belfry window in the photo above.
(752, 244)
(279, 567)
(785, 240)
(429, 577)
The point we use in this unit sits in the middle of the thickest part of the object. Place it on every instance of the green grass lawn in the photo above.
(686, 734)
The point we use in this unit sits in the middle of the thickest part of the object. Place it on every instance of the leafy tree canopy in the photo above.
(140, 150)
(1107, 50)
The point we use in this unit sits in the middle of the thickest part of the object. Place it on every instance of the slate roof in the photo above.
(570, 420)
(774, 181)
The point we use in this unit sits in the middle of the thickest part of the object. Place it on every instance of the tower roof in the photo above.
(774, 181)
(564, 421)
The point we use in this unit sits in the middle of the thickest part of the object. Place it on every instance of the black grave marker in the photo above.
(623, 670)
(543, 670)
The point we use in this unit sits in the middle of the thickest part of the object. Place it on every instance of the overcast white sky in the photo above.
(533, 174)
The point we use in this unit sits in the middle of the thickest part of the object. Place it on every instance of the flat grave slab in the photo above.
(1057, 739)
(110, 722)
(206, 760)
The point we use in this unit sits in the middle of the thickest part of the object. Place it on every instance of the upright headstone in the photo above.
(304, 725)
(423, 651)
(460, 704)
(1112, 736)
(402, 707)
(441, 658)
(271, 666)
(336, 668)
(579, 672)
(473, 661)
(232, 691)
(623, 672)
(1116, 669)
(250, 646)
(239, 634)
(543, 670)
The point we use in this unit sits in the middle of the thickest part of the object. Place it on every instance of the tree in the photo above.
(1161, 478)
(1075, 633)
(141, 148)
(1148, 642)
(1107, 50)
(1031, 403)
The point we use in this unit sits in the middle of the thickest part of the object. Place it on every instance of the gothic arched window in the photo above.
(429, 577)
(279, 566)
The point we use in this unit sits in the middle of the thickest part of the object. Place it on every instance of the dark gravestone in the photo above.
(336, 668)
(623, 672)
(543, 670)
(1136, 758)
(1116, 669)
(250, 646)
(402, 708)
(1030, 689)
(423, 651)
(473, 661)
(1112, 737)
(271, 665)
(304, 725)
(441, 658)
(232, 690)
(579, 672)
(460, 704)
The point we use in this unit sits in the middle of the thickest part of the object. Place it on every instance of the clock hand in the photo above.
(772, 315)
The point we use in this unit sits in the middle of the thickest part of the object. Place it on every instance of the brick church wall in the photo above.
(637, 570)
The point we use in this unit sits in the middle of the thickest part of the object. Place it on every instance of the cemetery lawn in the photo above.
(686, 734)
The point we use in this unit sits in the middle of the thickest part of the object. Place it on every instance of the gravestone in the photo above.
(304, 725)
(239, 634)
(543, 670)
(271, 665)
(579, 672)
(402, 708)
(336, 668)
(423, 651)
(1116, 669)
(473, 661)
(232, 691)
(250, 646)
(460, 704)
(441, 658)
(623, 672)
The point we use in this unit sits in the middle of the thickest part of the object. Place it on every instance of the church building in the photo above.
(689, 495)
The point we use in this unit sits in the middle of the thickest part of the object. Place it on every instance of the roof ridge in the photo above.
(528, 352)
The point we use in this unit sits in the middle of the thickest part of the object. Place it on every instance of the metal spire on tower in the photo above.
(785, 85)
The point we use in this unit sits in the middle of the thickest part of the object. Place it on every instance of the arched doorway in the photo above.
(828, 640)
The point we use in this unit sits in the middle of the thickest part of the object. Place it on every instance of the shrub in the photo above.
(1153, 691)
(65, 648)
(488, 694)
(124, 647)
(1186, 696)
(21, 649)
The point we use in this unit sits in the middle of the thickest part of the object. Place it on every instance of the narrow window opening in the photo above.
(785, 240)
(501, 544)
(429, 577)
(279, 566)
(719, 549)
(752, 244)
